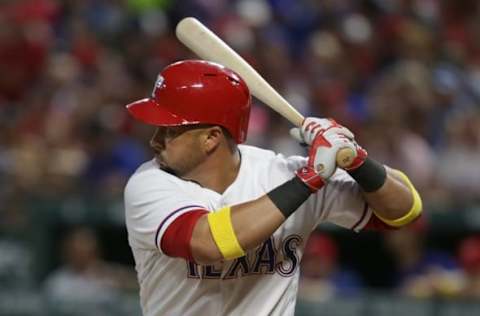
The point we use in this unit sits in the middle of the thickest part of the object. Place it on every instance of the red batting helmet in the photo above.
(194, 92)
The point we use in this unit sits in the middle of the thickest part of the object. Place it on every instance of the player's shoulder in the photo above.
(253, 152)
(145, 170)
(264, 157)
(149, 175)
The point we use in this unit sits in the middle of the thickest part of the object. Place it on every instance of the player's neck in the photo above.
(219, 171)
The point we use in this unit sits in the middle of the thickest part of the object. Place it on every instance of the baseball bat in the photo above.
(203, 42)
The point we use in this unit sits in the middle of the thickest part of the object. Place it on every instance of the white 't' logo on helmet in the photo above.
(158, 84)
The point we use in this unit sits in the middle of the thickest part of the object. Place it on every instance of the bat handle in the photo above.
(345, 157)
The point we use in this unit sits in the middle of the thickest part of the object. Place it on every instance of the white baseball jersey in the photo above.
(264, 282)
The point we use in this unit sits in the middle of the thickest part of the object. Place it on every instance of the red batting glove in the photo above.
(308, 174)
(313, 127)
(311, 178)
(359, 159)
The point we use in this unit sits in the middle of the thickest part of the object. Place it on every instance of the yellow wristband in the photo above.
(414, 212)
(220, 223)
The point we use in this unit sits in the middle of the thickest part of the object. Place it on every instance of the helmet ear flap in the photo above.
(195, 92)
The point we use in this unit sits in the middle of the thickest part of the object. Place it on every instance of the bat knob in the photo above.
(345, 157)
(319, 168)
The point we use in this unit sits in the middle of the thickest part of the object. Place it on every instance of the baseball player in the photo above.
(219, 228)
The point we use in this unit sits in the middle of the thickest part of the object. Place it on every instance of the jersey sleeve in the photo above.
(152, 203)
(341, 202)
(376, 224)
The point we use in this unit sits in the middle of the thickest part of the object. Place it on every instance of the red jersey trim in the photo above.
(376, 224)
(176, 239)
(365, 211)
(193, 207)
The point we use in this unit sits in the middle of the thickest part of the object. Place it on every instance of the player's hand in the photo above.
(322, 159)
(313, 126)
(337, 135)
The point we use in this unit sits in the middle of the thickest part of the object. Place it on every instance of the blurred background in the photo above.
(404, 75)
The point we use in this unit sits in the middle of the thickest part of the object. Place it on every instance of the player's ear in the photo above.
(212, 138)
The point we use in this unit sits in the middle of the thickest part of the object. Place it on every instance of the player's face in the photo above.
(178, 149)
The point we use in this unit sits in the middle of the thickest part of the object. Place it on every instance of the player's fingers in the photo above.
(341, 141)
(324, 161)
(296, 133)
(339, 130)
(312, 125)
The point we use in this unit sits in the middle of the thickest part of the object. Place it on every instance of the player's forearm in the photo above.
(393, 200)
(253, 222)
(231, 231)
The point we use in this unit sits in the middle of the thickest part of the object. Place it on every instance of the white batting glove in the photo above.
(312, 126)
(323, 152)
(322, 159)
(325, 137)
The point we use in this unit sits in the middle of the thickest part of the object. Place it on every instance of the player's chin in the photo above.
(179, 167)
(181, 170)
(169, 170)
(160, 161)
(164, 166)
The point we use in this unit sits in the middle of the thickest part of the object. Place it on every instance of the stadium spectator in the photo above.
(469, 257)
(85, 283)
(322, 276)
(422, 272)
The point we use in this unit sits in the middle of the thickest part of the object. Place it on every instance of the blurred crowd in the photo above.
(417, 272)
(404, 75)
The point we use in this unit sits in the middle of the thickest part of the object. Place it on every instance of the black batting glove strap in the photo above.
(289, 196)
(371, 175)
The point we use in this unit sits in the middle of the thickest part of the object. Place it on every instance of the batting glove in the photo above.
(312, 126)
(326, 137)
